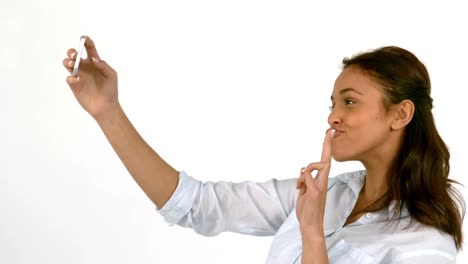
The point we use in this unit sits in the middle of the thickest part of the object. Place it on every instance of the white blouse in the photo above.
(268, 209)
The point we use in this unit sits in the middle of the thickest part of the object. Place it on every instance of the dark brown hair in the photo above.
(419, 176)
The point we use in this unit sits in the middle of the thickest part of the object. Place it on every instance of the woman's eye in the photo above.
(345, 102)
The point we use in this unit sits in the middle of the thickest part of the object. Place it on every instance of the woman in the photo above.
(401, 209)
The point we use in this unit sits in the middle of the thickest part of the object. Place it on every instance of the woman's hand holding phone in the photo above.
(93, 81)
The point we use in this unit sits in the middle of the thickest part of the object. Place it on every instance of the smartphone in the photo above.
(78, 55)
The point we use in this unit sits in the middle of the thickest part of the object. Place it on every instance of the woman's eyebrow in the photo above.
(345, 90)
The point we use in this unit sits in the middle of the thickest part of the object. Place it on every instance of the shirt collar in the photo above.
(393, 214)
(355, 181)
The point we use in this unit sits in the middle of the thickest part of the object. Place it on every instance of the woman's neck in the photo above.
(375, 184)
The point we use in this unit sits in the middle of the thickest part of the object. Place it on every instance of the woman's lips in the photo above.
(337, 133)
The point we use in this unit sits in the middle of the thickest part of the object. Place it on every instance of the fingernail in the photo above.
(94, 59)
(73, 55)
(333, 132)
(70, 63)
(302, 170)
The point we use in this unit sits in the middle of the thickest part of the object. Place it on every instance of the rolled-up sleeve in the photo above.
(246, 207)
(182, 200)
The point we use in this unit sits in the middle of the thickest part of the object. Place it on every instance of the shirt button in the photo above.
(368, 215)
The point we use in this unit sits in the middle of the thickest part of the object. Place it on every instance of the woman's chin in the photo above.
(340, 157)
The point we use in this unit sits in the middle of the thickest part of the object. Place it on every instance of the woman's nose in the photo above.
(333, 118)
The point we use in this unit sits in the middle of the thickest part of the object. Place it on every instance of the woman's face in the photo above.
(358, 115)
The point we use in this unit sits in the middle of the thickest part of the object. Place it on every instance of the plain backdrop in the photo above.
(225, 90)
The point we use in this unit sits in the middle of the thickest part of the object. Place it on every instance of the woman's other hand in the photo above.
(313, 193)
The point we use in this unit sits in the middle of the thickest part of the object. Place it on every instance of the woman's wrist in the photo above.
(112, 112)
(312, 239)
(312, 232)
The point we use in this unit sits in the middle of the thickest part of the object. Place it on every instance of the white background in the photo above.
(225, 90)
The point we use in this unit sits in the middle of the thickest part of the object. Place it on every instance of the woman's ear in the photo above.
(403, 114)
